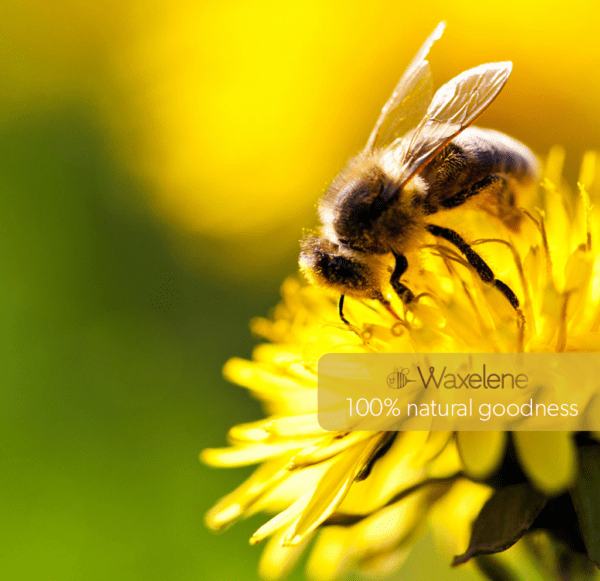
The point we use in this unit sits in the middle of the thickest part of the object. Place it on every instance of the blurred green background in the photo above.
(157, 165)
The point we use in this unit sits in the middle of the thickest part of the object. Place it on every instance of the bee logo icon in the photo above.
(398, 378)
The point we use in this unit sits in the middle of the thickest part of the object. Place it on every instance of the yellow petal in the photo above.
(290, 488)
(330, 555)
(250, 432)
(394, 472)
(447, 464)
(259, 377)
(327, 448)
(331, 490)
(277, 561)
(481, 452)
(436, 442)
(534, 270)
(235, 504)
(296, 426)
(548, 458)
(274, 353)
(455, 512)
(578, 271)
(382, 565)
(388, 527)
(283, 518)
(244, 455)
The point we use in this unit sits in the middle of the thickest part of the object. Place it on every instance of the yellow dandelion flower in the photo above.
(369, 493)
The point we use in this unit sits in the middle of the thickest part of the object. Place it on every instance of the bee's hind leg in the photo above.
(486, 184)
(483, 270)
(502, 204)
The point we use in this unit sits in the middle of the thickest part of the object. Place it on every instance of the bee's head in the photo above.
(327, 264)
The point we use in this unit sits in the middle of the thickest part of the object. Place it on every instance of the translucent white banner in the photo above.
(442, 391)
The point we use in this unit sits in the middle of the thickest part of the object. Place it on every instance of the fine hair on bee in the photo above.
(423, 158)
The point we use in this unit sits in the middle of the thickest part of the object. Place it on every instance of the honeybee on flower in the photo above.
(421, 160)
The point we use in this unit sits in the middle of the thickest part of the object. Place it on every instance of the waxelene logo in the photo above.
(399, 378)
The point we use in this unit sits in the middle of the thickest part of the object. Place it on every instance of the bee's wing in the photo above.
(453, 108)
(409, 100)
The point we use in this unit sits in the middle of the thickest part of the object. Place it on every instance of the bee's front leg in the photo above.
(341, 311)
(405, 294)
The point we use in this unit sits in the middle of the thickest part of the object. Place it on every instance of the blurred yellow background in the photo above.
(237, 114)
(158, 162)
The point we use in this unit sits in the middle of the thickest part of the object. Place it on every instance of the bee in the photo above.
(422, 159)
